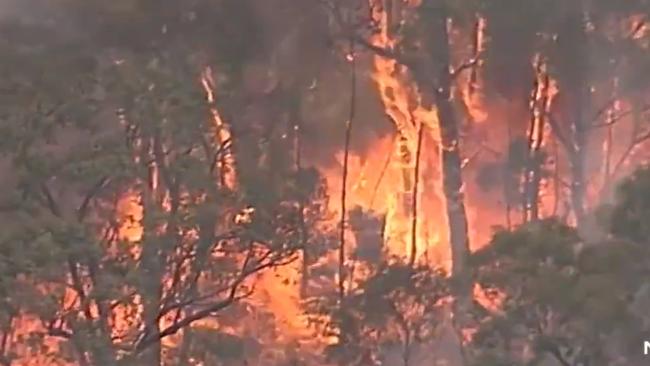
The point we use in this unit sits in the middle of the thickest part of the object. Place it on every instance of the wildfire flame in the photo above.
(382, 183)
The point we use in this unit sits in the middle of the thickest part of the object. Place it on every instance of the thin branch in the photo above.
(122, 300)
(464, 66)
(55, 331)
(167, 306)
(557, 354)
(188, 320)
(71, 261)
(350, 34)
(604, 108)
(147, 340)
(348, 135)
(616, 118)
(218, 155)
(382, 173)
(197, 299)
(626, 154)
(465, 162)
(384, 52)
(51, 203)
(177, 274)
(81, 212)
(78, 286)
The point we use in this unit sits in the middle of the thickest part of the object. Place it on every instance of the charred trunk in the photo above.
(207, 229)
(580, 91)
(304, 276)
(451, 153)
(151, 290)
(476, 50)
(348, 135)
(578, 188)
(153, 253)
(535, 160)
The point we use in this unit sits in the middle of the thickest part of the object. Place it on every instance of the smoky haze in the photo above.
(324, 78)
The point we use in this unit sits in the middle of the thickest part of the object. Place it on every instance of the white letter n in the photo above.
(646, 347)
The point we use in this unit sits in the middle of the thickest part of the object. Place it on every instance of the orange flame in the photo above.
(383, 182)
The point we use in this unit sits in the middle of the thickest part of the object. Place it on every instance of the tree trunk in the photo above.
(207, 229)
(439, 48)
(348, 135)
(103, 351)
(152, 257)
(578, 189)
(580, 124)
(302, 202)
(151, 290)
(534, 161)
(577, 159)
(414, 202)
(477, 38)
(450, 140)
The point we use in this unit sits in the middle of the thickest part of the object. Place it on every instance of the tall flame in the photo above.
(392, 190)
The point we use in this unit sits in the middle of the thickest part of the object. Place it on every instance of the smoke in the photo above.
(42, 22)
(29, 12)
(13, 9)
(305, 58)
(327, 112)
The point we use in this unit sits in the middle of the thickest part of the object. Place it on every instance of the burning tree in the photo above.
(178, 176)
(565, 301)
(122, 230)
(405, 55)
(586, 53)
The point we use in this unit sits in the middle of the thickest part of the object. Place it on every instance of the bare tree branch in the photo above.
(147, 339)
(604, 108)
(384, 52)
(81, 212)
(54, 331)
(52, 205)
(465, 66)
(223, 148)
(628, 151)
(349, 33)
(616, 118)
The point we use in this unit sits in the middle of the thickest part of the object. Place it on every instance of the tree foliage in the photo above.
(561, 298)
